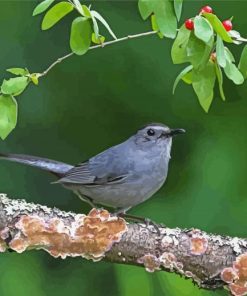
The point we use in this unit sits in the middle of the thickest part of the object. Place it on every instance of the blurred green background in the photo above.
(89, 103)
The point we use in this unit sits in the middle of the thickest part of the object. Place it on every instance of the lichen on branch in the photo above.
(211, 261)
(88, 236)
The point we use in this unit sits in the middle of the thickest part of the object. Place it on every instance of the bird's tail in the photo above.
(55, 167)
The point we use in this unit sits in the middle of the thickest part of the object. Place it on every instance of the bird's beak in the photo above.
(175, 131)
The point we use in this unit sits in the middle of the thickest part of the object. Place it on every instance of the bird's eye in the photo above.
(150, 132)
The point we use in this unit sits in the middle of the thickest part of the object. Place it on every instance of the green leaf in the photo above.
(78, 6)
(18, 71)
(229, 55)
(86, 11)
(14, 86)
(220, 81)
(198, 53)
(95, 27)
(180, 76)
(187, 78)
(98, 40)
(179, 53)
(236, 37)
(220, 52)
(231, 70)
(218, 27)
(207, 53)
(80, 36)
(203, 85)
(55, 14)
(203, 29)
(178, 5)
(145, 8)
(35, 78)
(155, 26)
(8, 115)
(41, 7)
(165, 17)
(103, 21)
(243, 62)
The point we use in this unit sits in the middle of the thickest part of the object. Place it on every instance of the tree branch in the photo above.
(59, 60)
(211, 261)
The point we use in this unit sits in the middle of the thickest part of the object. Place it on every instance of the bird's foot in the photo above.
(148, 222)
(86, 199)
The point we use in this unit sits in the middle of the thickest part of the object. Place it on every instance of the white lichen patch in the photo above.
(188, 274)
(166, 241)
(168, 260)
(235, 244)
(14, 207)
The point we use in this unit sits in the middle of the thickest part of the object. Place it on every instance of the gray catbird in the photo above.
(120, 177)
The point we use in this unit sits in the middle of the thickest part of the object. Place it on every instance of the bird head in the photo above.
(156, 135)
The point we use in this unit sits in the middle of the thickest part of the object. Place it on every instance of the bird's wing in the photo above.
(105, 168)
(81, 174)
(78, 174)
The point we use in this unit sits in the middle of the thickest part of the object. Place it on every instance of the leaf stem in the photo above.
(59, 60)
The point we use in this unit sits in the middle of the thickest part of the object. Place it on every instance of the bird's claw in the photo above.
(149, 222)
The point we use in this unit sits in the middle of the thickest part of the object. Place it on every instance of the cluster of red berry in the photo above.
(189, 24)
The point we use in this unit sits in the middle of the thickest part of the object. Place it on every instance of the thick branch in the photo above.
(59, 60)
(210, 260)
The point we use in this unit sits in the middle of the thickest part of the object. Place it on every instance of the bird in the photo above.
(120, 177)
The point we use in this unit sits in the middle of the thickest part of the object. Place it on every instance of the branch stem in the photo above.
(211, 261)
(59, 60)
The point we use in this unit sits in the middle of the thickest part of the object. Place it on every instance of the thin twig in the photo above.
(59, 60)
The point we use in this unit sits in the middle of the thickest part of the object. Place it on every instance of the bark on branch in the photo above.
(211, 261)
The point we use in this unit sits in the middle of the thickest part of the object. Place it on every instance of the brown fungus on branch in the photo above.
(88, 236)
(150, 262)
(229, 275)
(3, 246)
(198, 245)
(236, 276)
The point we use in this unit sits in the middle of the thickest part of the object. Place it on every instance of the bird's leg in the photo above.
(122, 213)
(85, 199)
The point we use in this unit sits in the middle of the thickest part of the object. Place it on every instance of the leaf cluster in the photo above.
(208, 57)
(84, 28)
(11, 88)
(208, 60)
(84, 31)
(164, 15)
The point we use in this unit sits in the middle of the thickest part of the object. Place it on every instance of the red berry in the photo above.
(206, 9)
(189, 24)
(227, 25)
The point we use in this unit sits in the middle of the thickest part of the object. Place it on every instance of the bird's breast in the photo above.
(151, 169)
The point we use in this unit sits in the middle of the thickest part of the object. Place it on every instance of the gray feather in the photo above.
(55, 167)
(83, 175)
(79, 174)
